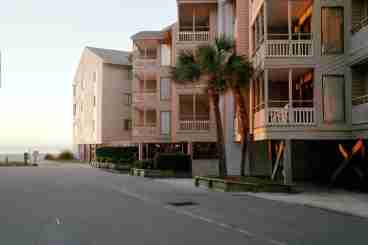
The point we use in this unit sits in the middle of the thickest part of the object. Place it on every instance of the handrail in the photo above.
(360, 100)
(362, 23)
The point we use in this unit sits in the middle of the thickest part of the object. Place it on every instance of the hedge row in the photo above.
(118, 155)
(177, 162)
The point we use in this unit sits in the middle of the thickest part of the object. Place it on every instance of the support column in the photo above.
(287, 163)
(248, 157)
(265, 21)
(266, 94)
(291, 116)
(140, 151)
(289, 26)
(220, 18)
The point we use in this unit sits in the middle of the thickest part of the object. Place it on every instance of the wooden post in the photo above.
(291, 116)
(266, 95)
(140, 151)
(289, 26)
(287, 163)
(265, 21)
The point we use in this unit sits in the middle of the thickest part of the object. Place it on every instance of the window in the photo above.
(332, 30)
(94, 100)
(202, 107)
(130, 74)
(165, 55)
(186, 107)
(333, 99)
(165, 89)
(165, 121)
(128, 99)
(94, 76)
(194, 107)
(127, 124)
(74, 109)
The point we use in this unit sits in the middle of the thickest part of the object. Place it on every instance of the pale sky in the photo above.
(41, 42)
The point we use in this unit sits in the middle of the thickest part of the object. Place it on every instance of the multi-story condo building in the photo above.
(309, 91)
(102, 101)
(169, 116)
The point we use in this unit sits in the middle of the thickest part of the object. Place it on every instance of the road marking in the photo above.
(198, 217)
(58, 221)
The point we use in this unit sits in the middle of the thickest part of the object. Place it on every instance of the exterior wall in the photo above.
(114, 109)
(101, 110)
(86, 125)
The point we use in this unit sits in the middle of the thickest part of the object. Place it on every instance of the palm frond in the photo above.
(225, 44)
(187, 68)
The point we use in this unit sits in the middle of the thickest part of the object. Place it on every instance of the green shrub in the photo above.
(50, 157)
(65, 155)
(118, 155)
(143, 164)
(178, 162)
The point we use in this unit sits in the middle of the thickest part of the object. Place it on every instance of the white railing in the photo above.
(289, 48)
(275, 116)
(360, 100)
(303, 116)
(144, 131)
(194, 125)
(190, 36)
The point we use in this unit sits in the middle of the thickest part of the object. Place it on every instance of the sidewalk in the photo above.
(337, 200)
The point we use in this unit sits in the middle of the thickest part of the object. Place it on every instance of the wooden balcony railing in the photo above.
(281, 45)
(285, 116)
(190, 36)
(146, 130)
(148, 97)
(289, 48)
(357, 27)
(194, 125)
(360, 100)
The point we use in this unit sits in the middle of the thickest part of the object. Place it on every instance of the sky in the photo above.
(41, 42)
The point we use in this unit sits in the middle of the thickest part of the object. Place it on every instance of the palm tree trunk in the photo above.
(244, 124)
(215, 98)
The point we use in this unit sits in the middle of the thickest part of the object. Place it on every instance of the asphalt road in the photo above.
(74, 205)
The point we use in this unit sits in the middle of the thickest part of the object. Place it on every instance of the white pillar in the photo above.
(287, 163)
(229, 20)
(220, 17)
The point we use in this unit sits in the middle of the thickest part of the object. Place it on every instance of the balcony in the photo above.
(147, 130)
(145, 56)
(284, 97)
(147, 97)
(282, 29)
(195, 23)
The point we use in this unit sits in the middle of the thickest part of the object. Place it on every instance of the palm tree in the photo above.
(239, 71)
(221, 68)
